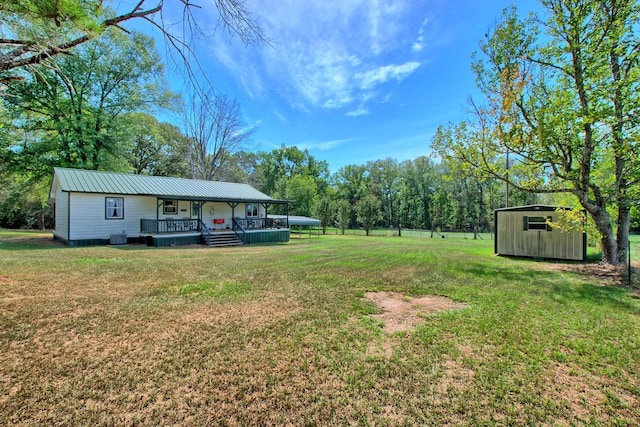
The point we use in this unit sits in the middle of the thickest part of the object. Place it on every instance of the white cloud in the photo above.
(372, 78)
(361, 111)
(418, 45)
(327, 55)
(325, 145)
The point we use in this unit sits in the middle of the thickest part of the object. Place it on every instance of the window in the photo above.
(170, 207)
(195, 209)
(252, 210)
(536, 223)
(114, 207)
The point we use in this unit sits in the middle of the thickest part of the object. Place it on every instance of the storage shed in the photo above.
(528, 231)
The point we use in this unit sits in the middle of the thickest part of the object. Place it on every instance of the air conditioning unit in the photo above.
(118, 239)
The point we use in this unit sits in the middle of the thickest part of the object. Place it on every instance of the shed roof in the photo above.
(88, 181)
(542, 208)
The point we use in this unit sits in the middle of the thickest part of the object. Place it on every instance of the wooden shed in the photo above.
(528, 231)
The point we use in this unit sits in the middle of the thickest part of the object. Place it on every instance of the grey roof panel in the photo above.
(86, 181)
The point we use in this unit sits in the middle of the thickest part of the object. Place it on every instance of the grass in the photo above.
(281, 335)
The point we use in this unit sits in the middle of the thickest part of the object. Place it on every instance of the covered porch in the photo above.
(213, 222)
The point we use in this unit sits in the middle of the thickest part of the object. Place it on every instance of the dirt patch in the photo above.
(604, 273)
(403, 313)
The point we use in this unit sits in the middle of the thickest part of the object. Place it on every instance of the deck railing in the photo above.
(239, 229)
(163, 226)
(257, 223)
(240, 225)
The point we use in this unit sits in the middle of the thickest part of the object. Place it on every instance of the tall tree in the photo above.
(215, 129)
(303, 193)
(283, 163)
(562, 99)
(385, 182)
(154, 148)
(343, 214)
(352, 184)
(326, 213)
(419, 179)
(69, 114)
(368, 211)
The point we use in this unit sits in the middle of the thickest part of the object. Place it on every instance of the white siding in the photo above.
(62, 215)
(220, 210)
(88, 215)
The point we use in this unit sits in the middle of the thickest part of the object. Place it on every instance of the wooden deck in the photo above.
(215, 238)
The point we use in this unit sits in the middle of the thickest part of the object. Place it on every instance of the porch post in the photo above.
(233, 212)
(266, 213)
(158, 204)
(287, 214)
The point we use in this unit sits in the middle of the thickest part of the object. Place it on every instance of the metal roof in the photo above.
(296, 219)
(89, 181)
(543, 208)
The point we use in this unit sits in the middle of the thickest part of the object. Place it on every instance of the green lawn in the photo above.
(281, 335)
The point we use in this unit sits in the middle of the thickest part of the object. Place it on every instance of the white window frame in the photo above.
(253, 210)
(173, 207)
(114, 207)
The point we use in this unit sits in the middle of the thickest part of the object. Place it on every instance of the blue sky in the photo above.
(352, 80)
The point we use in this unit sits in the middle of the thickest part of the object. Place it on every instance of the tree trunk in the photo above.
(622, 234)
(608, 241)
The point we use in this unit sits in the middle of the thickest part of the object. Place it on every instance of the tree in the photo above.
(241, 167)
(343, 212)
(352, 184)
(283, 163)
(368, 212)
(419, 178)
(303, 192)
(325, 212)
(155, 148)
(22, 203)
(562, 100)
(441, 210)
(385, 181)
(215, 130)
(69, 114)
(34, 31)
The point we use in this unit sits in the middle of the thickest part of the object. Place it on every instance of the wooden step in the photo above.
(221, 240)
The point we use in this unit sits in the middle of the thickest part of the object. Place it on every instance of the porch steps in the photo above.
(221, 240)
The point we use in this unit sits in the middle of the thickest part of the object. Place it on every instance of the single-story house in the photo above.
(528, 231)
(95, 207)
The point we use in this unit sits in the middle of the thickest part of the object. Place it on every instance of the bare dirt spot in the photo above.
(403, 313)
(604, 273)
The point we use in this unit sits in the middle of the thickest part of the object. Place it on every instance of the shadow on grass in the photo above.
(584, 290)
(29, 243)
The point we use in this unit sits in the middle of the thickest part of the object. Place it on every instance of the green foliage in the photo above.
(343, 214)
(326, 213)
(284, 163)
(154, 148)
(368, 212)
(303, 192)
(70, 113)
(22, 202)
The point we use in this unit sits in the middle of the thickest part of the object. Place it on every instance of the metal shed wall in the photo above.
(511, 237)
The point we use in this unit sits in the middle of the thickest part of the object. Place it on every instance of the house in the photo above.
(95, 208)
(528, 231)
